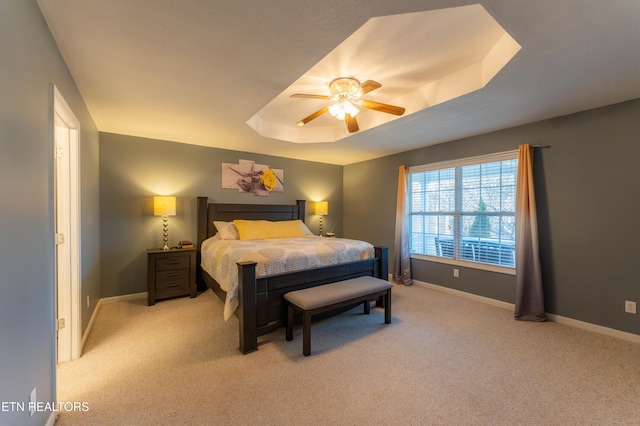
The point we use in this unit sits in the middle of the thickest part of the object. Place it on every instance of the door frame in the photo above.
(68, 292)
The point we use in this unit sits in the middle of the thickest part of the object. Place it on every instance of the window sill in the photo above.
(465, 264)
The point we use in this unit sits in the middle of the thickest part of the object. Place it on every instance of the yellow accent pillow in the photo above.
(264, 229)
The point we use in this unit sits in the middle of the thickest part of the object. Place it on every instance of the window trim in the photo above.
(467, 161)
(465, 263)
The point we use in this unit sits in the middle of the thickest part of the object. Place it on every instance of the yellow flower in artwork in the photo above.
(269, 180)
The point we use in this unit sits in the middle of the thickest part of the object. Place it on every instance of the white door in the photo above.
(63, 252)
(67, 233)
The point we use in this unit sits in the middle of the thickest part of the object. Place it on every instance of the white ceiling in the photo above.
(195, 71)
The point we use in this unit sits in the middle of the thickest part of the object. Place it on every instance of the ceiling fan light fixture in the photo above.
(347, 86)
(345, 92)
(343, 107)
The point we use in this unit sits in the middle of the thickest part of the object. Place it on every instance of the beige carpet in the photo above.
(444, 360)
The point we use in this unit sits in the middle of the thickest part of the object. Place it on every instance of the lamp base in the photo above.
(165, 232)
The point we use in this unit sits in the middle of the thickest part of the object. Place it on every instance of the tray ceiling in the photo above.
(429, 57)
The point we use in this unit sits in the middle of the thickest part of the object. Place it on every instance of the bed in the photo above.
(261, 306)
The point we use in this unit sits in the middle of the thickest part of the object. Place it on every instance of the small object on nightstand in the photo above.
(186, 244)
(330, 235)
(170, 273)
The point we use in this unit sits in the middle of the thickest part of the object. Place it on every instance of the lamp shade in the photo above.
(321, 208)
(164, 206)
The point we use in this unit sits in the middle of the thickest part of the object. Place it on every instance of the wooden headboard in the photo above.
(208, 212)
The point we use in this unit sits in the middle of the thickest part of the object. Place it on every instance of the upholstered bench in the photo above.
(315, 300)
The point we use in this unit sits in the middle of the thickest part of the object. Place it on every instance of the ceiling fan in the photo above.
(346, 95)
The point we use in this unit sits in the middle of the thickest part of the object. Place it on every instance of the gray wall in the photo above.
(133, 170)
(587, 188)
(31, 63)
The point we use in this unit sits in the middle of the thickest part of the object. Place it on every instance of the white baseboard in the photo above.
(124, 298)
(611, 332)
(105, 300)
(85, 336)
(466, 295)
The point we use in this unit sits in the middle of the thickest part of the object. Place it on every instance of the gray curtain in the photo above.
(529, 288)
(401, 259)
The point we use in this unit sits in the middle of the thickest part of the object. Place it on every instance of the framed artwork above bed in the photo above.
(247, 176)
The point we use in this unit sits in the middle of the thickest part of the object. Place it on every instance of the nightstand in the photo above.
(170, 273)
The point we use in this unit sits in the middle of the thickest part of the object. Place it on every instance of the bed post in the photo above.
(202, 220)
(301, 210)
(382, 269)
(201, 229)
(247, 309)
(382, 254)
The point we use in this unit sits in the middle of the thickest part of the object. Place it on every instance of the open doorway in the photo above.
(66, 139)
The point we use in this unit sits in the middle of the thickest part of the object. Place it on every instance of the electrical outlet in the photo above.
(456, 272)
(32, 402)
(630, 307)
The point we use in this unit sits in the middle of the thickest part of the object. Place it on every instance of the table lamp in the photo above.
(321, 208)
(165, 207)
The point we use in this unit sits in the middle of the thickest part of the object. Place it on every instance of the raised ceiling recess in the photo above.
(417, 60)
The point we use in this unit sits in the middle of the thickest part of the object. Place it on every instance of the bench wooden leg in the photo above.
(367, 307)
(290, 323)
(306, 333)
(380, 302)
(387, 307)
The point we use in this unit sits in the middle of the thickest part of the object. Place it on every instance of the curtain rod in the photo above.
(541, 146)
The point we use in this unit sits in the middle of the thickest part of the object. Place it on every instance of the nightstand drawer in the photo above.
(178, 284)
(173, 262)
(171, 276)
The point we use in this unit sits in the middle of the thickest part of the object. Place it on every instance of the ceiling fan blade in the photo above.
(352, 124)
(302, 95)
(316, 114)
(369, 86)
(389, 109)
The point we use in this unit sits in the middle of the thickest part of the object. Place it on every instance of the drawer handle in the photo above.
(175, 284)
(173, 262)
(173, 274)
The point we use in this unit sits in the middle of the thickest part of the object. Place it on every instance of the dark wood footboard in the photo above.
(262, 308)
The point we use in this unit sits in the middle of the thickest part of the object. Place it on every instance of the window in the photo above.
(465, 210)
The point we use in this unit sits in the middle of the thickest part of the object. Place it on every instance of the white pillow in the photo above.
(305, 229)
(226, 230)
